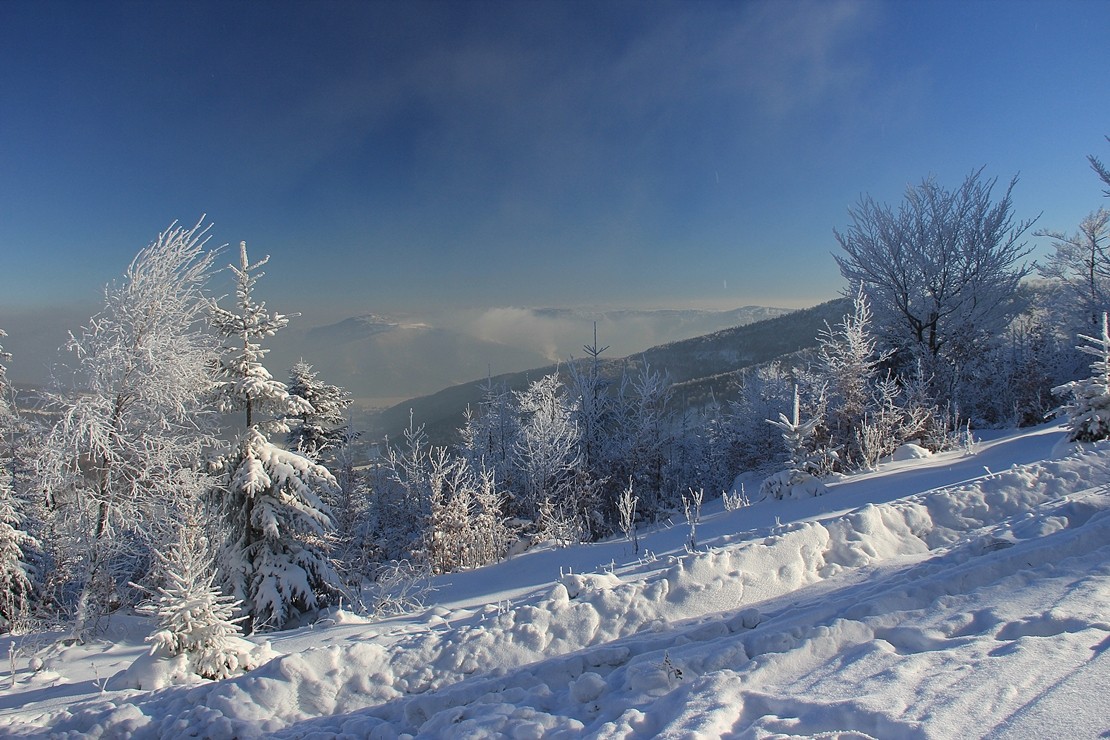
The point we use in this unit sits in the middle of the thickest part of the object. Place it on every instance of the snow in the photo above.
(909, 451)
(956, 595)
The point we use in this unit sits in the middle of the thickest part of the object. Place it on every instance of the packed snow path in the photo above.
(956, 596)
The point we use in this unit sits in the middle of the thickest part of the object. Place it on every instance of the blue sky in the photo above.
(429, 155)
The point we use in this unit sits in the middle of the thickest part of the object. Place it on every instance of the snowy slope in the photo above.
(954, 596)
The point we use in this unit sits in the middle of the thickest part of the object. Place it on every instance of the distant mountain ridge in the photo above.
(698, 366)
(382, 358)
(378, 357)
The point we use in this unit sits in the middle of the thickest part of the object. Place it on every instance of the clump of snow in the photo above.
(792, 484)
(908, 451)
(156, 669)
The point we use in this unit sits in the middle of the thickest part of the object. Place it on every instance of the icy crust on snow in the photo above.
(874, 623)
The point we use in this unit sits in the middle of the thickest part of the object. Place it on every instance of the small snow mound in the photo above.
(792, 484)
(577, 584)
(908, 451)
(342, 616)
(150, 672)
(155, 669)
(587, 687)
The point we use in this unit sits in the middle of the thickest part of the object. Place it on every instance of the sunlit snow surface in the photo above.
(959, 595)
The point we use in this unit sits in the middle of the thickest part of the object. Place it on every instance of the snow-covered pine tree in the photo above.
(764, 391)
(847, 360)
(593, 412)
(1088, 409)
(16, 573)
(796, 481)
(194, 617)
(350, 508)
(324, 428)
(644, 437)
(123, 460)
(274, 557)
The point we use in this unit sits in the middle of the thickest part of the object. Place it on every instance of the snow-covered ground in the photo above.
(959, 595)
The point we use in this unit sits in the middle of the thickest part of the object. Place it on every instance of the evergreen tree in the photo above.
(764, 391)
(350, 512)
(193, 616)
(593, 411)
(797, 480)
(1088, 409)
(311, 433)
(847, 363)
(644, 437)
(275, 554)
(16, 574)
(16, 544)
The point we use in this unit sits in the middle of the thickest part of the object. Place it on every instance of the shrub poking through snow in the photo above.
(1088, 410)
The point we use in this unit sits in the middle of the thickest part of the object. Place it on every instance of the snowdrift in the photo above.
(973, 608)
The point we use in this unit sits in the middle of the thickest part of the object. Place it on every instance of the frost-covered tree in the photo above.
(1101, 170)
(465, 527)
(489, 433)
(5, 407)
(1088, 408)
(764, 392)
(16, 573)
(847, 363)
(644, 437)
(546, 452)
(490, 533)
(701, 454)
(401, 503)
(594, 410)
(1080, 267)
(313, 432)
(1016, 373)
(123, 459)
(797, 480)
(350, 509)
(941, 270)
(848, 356)
(193, 616)
(442, 510)
(275, 554)
(16, 544)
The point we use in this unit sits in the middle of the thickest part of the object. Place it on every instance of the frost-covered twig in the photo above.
(693, 515)
(626, 505)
